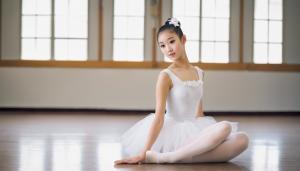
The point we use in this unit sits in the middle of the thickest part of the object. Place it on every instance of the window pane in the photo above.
(78, 50)
(61, 7)
(215, 29)
(192, 8)
(190, 27)
(260, 31)
(61, 26)
(208, 29)
(221, 52)
(78, 7)
(29, 7)
(260, 53)
(77, 27)
(135, 50)
(28, 49)
(28, 26)
(136, 7)
(129, 27)
(120, 7)
(43, 26)
(192, 50)
(35, 49)
(208, 8)
(43, 7)
(183, 8)
(129, 7)
(207, 52)
(222, 8)
(275, 9)
(128, 50)
(275, 53)
(120, 27)
(178, 7)
(222, 29)
(61, 49)
(275, 31)
(261, 9)
(135, 27)
(43, 49)
(66, 49)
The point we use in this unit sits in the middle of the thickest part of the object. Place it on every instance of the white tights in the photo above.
(214, 144)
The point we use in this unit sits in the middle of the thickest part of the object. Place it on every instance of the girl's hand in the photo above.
(131, 160)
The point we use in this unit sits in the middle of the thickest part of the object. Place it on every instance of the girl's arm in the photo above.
(200, 112)
(163, 86)
(162, 89)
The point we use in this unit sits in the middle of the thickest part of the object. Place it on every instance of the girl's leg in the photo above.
(208, 139)
(230, 148)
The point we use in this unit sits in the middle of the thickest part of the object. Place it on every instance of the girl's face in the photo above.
(170, 45)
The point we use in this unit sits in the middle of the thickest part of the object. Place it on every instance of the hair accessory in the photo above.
(174, 21)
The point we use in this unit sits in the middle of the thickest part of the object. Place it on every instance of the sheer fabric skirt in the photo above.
(174, 134)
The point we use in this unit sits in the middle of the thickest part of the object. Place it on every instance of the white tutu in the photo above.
(173, 135)
(180, 125)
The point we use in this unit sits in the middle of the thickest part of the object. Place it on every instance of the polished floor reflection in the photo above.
(63, 141)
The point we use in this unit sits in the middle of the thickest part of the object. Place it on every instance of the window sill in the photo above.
(147, 65)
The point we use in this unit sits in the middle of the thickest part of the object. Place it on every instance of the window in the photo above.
(128, 39)
(215, 31)
(36, 30)
(214, 37)
(70, 38)
(267, 45)
(188, 13)
(54, 32)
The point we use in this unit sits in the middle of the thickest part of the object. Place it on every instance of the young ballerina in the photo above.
(183, 134)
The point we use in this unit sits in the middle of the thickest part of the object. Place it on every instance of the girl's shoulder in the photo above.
(164, 78)
(165, 73)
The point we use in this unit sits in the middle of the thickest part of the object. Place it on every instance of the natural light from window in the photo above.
(58, 32)
(267, 45)
(215, 21)
(36, 30)
(71, 23)
(128, 39)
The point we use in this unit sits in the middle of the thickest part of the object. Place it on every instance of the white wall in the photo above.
(134, 88)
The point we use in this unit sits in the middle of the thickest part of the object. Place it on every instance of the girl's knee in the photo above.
(242, 141)
(225, 127)
(240, 144)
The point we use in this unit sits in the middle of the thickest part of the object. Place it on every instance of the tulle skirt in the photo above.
(174, 134)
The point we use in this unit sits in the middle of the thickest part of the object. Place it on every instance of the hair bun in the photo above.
(173, 21)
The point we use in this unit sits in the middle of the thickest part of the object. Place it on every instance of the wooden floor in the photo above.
(82, 141)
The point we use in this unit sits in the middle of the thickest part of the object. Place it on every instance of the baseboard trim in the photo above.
(135, 111)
